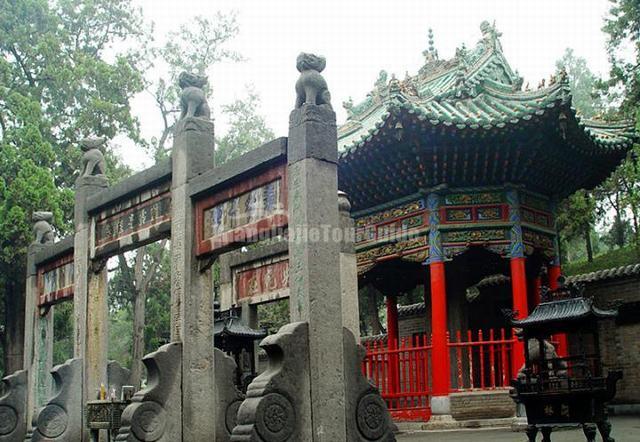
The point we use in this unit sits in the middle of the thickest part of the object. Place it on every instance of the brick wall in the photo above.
(620, 342)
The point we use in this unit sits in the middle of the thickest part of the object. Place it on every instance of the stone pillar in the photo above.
(314, 261)
(249, 317)
(348, 269)
(38, 323)
(192, 288)
(440, 358)
(518, 275)
(90, 308)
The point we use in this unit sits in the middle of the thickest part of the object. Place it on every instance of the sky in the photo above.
(361, 37)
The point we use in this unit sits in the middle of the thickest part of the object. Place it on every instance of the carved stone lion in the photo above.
(311, 87)
(193, 101)
(42, 230)
(93, 162)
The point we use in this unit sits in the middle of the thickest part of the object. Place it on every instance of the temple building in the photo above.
(454, 175)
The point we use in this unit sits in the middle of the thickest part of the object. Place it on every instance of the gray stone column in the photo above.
(90, 297)
(191, 287)
(314, 257)
(348, 269)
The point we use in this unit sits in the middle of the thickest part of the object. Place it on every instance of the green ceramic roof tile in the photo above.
(477, 88)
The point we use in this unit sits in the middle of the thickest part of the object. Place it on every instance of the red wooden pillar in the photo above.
(440, 363)
(537, 284)
(392, 342)
(519, 293)
(563, 345)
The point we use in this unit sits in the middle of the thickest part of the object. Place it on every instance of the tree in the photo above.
(57, 84)
(583, 84)
(247, 128)
(132, 288)
(576, 218)
(196, 47)
(623, 28)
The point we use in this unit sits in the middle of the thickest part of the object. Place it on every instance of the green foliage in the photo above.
(273, 315)
(195, 47)
(613, 258)
(623, 29)
(62, 332)
(120, 336)
(247, 129)
(65, 72)
(583, 84)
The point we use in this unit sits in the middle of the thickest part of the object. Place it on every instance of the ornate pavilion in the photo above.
(454, 175)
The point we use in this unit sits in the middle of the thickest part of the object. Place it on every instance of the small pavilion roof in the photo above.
(473, 96)
(562, 312)
(232, 327)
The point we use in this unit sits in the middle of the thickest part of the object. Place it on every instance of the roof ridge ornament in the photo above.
(430, 54)
(490, 35)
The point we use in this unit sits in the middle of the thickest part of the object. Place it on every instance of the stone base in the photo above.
(519, 423)
(440, 405)
(278, 403)
(441, 422)
(478, 405)
(13, 407)
(444, 424)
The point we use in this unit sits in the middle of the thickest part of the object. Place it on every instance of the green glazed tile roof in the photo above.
(476, 89)
(473, 99)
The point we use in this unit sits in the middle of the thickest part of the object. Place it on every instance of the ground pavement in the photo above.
(625, 429)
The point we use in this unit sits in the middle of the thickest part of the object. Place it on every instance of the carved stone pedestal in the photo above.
(155, 413)
(13, 407)
(61, 419)
(278, 405)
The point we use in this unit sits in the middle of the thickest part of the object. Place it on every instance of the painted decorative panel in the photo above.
(475, 235)
(243, 212)
(144, 218)
(391, 223)
(493, 213)
(395, 249)
(462, 199)
(535, 202)
(389, 214)
(538, 240)
(535, 217)
(55, 281)
(262, 283)
(459, 215)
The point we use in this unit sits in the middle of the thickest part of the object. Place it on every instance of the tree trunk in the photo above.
(13, 336)
(139, 300)
(587, 240)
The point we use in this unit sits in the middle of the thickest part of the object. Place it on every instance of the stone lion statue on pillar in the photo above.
(193, 101)
(311, 87)
(93, 162)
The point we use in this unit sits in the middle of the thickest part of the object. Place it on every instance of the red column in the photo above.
(440, 364)
(392, 342)
(563, 345)
(519, 293)
(537, 284)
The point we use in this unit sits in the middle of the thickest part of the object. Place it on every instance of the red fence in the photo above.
(402, 371)
(482, 361)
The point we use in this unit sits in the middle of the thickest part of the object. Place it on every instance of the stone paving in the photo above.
(625, 429)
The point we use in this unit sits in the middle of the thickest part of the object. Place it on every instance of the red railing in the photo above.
(401, 373)
(482, 361)
(402, 370)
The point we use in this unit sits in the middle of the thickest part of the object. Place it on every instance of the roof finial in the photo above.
(490, 34)
(431, 53)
